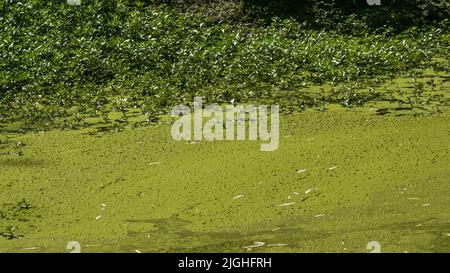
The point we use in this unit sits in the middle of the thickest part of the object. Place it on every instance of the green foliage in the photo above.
(9, 233)
(62, 64)
(23, 205)
(11, 214)
(396, 14)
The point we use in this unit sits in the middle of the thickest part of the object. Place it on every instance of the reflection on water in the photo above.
(20, 162)
(172, 234)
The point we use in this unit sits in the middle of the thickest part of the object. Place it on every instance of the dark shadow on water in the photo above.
(395, 14)
(21, 162)
(173, 234)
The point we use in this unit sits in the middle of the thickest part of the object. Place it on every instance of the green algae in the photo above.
(340, 179)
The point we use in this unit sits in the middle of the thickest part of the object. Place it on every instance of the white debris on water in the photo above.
(277, 244)
(301, 171)
(258, 186)
(238, 196)
(308, 191)
(296, 193)
(426, 205)
(138, 251)
(255, 244)
(98, 217)
(286, 204)
(319, 215)
(276, 229)
(332, 168)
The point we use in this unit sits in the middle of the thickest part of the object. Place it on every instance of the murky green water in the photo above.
(340, 179)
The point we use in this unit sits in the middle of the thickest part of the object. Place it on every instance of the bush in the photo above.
(399, 14)
(69, 62)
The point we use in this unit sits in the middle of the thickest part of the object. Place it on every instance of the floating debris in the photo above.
(277, 244)
(414, 198)
(275, 229)
(238, 196)
(31, 248)
(301, 171)
(418, 225)
(426, 205)
(332, 168)
(98, 217)
(308, 191)
(319, 215)
(296, 193)
(286, 204)
(258, 186)
(255, 244)
(154, 163)
(138, 251)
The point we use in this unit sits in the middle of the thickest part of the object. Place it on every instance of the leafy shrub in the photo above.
(64, 63)
(397, 14)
